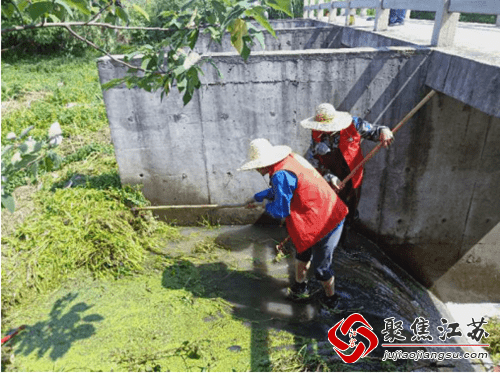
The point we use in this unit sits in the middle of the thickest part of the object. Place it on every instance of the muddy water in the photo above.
(250, 278)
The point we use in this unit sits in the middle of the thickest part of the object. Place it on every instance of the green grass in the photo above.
(81, 219)
(493, 328)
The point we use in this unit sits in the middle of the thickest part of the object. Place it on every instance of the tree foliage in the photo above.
(26, 154)
(157, 65)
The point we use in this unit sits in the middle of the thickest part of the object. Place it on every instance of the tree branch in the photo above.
(81, 38)
(98, 14)
(93, 24)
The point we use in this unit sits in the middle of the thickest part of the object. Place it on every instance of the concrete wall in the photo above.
(430, 200)
(438, 206)
(189, 154)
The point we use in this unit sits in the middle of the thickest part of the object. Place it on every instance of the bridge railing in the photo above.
(445, 22)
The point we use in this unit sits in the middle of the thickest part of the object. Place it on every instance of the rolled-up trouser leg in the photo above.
(301, 270)
(329, 286)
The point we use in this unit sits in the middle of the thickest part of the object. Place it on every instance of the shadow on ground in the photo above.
(250, 278)
(59, 331)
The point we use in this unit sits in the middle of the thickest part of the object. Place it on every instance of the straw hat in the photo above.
(263, 154)
(327, 119)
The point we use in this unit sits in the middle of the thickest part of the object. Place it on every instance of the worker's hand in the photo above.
(253, 204)
(322, 148)
(386, 137)
(334, 181)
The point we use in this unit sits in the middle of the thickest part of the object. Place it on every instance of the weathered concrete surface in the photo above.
(470, 74)
(190, 154)
(431, 198)
(313, 37)
(440, 214)
(472, 82)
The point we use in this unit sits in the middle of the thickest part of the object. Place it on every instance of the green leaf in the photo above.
(113, 83)
(8, 10)
(65, 6)
(219, 73)
(81, 5)
(281, 5)
(245, 52)
(145, 62)
(260, 37)
(187, 97)
(35, 10)
(179, 70)
(238, 31)
(6, 149)
(193, 38)
(8, 202)
(122, 14)
(220, 9)
(257, 13)
(188, 5)
(110, 18)
(26, 131)
(22, 4)
(129, 56)
(182, 84)
(138, 9)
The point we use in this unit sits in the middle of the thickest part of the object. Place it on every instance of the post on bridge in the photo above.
(445, 25)
(381, 17)
(307, 4)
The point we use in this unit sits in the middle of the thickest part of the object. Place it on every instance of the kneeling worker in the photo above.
(314, 214)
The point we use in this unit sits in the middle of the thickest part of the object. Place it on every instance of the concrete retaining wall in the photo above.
(430, 199)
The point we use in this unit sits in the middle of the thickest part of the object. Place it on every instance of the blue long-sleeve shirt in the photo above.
(283, 185)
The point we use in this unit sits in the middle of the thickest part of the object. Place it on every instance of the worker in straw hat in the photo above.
(335, 151)
(314, 214)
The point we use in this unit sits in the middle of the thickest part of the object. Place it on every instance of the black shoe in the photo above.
(299, 292)
(396, 24)
(335, 302)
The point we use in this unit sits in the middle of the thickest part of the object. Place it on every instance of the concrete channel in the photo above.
(430, 202)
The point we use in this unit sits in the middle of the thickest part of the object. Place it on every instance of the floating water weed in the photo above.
(77, 229)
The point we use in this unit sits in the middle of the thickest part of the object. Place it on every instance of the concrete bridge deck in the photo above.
(476, 41)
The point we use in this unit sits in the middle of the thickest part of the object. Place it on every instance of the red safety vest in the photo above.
(349, 146)
(315, 209)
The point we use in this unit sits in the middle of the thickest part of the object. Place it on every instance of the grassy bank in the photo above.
(79, 270)
(77, 217)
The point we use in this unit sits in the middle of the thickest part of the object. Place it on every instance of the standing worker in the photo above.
(335, 151)
(314, 214)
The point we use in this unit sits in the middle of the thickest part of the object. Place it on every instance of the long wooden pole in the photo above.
(394, 130)
(178, 207)
(372, 153)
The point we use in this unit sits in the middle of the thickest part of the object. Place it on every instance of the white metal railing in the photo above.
(445, 23)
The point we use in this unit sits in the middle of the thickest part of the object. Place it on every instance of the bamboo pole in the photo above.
(179, 207)
(370, 155)
(379, 145)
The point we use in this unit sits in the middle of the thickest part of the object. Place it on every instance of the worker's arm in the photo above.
(373, 132)
(283, 184)
(265, 194)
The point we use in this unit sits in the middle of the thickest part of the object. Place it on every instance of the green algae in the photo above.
(137, 324)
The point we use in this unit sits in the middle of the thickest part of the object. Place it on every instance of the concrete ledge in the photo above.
(474, 83)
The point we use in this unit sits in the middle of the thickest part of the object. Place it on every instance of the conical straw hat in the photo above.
(327, 119)
(262, 154)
